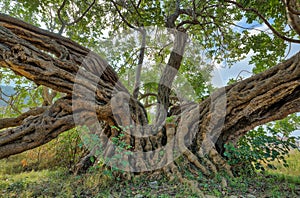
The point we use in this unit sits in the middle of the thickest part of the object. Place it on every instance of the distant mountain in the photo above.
(6, 91)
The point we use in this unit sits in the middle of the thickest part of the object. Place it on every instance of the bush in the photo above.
(65, 151)
(260, 147)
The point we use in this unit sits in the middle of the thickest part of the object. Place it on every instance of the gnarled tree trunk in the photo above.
(95, 97)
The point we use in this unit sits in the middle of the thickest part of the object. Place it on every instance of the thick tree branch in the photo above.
(37, 130)
(43, 125)
(71, 56)
(292, 8)
(170, 22)
(168, 76)
(67, 52)
(23, 49)
(269, 96)
(291, 4)
(137, 82)
(12, 122)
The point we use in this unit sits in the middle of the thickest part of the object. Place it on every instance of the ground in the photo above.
(17, 179)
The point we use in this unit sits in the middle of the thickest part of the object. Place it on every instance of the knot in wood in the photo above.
(20, 52)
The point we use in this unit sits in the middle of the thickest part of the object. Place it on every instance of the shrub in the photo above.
(260, 147)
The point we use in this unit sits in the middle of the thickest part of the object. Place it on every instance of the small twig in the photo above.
(245, 28)
(264, 20)
(122, 17)
(290, 48)
(64, 23)
(136, 8)
(149, 105)
(193, 22)
(238, 76)
(166, 45)
(83, 14)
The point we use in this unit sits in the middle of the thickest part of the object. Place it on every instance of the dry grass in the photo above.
(293, 170)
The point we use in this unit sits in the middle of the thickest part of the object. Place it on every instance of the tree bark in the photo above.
(292, 9)
(198, 132)
(168, 76)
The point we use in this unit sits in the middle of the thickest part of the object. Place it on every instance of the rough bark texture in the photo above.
(293, 13)
(198, 132)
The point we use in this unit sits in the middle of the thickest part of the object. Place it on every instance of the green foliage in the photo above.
(266, 54)
(21, 94)
(170, 119)
(64, 151)
(224, 41)
(259, 148)
(67, 149)
(118, 162)
(289, 172)
(114, 164)
(120, 143)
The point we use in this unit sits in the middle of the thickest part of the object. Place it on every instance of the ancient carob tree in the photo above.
(91, 93)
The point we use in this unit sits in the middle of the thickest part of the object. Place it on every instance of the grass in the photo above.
(19, 181)
(292, 170)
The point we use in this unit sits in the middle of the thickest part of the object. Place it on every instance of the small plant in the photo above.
(120, 143)
(170, 119)
(67, 150)
(256, 150)
(122, 151)
(118, 161)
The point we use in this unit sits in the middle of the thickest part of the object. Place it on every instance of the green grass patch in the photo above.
(19, 181)
(292, 172)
